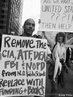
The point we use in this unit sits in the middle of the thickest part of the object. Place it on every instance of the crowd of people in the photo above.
(56, 55)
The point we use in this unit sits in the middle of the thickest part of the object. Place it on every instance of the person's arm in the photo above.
(48, 40)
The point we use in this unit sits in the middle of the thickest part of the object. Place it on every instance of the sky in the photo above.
(31, 9)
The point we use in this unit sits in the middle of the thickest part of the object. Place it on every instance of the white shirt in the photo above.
(59, 51)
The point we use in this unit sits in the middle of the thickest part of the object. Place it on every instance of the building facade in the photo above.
(3, 15)
(15, 15)
(10, 16)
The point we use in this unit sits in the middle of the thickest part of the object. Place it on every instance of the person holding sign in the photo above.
(28, 27)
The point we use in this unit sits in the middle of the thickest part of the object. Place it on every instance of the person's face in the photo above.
(60, 39)
(29, 27)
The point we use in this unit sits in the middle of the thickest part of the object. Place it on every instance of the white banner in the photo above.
(56, 15)
(22, 67)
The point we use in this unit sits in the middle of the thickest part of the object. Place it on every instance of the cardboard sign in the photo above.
(22, 66)
(56, 15)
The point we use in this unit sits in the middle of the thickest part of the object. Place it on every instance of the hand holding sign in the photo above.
(23, 67)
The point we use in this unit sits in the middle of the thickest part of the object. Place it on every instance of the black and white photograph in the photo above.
(36, 48)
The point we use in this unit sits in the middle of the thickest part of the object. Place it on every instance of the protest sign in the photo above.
(56, 15)
(22, 67)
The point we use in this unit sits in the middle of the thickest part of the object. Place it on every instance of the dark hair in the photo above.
(27, 21)
(60, 34)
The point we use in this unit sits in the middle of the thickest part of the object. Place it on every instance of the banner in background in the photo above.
(22, 67)
(56, 15)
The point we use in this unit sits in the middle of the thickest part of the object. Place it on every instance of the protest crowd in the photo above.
(56, 60)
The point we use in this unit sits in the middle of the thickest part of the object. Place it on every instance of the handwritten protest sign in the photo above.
(56, 15)
(22, 67)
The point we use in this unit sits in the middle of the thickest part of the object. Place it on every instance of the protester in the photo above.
(28, 27)
(57, 63)
(59, 57)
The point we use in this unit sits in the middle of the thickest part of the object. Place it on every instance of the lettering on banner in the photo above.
(36, 90)
(57, 14)
(24, 69)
